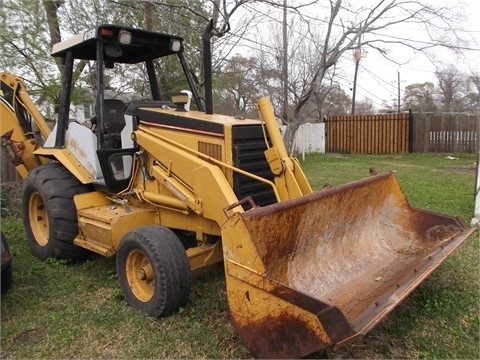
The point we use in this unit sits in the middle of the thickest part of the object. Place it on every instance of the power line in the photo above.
(347, 81)
(379, 80)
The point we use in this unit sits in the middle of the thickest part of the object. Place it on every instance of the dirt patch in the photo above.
(456, 169)
(29, 335)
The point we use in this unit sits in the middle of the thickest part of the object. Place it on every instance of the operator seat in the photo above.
(114, 122)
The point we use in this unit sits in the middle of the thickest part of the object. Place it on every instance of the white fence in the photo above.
(310, 138)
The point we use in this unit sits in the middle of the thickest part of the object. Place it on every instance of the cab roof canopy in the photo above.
(121, 44)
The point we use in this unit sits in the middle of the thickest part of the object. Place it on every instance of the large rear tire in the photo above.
(49, 213)
(153, 270)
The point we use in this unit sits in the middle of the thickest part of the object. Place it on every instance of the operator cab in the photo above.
(111, 47)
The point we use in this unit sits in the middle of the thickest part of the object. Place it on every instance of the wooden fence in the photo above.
(448, 133)
(403, 133)
(368, 134)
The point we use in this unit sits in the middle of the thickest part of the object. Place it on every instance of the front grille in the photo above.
(248, 155)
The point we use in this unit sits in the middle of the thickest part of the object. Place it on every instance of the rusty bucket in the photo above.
(320, 270)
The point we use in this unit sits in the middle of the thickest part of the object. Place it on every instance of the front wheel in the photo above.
(153, 270)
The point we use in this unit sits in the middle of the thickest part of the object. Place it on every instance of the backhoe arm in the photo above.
(18, 115)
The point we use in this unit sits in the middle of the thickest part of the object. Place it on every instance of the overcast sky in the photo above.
(378, 78)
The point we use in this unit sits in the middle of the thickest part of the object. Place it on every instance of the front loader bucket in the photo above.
(325, 268)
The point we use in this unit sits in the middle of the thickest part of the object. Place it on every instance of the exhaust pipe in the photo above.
(207, 66)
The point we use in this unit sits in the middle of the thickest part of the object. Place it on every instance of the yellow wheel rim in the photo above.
(140, 275)
(37, 213)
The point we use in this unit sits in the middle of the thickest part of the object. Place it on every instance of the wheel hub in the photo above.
(140, 275)
(145, 273)
(38, 219)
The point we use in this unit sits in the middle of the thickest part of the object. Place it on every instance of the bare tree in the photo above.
(346, 29)
(452, 89)
(474, 95)
(335, 102)
(242, 85)
(420, 97)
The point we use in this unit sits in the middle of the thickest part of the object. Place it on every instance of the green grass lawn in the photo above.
(61, 310)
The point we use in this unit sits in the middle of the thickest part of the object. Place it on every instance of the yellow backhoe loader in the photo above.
(168, 187)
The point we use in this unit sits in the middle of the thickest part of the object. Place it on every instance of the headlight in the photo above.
(175, 45)
(124, 37)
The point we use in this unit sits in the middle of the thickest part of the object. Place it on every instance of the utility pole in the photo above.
(285, 63)
(398, 100)
(357, 56)
(476, 216)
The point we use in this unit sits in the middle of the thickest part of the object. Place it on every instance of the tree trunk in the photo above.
(51, 8)
(289, 136)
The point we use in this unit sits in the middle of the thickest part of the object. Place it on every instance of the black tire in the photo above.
(7, 276)
(49, 213)
(153, 270)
